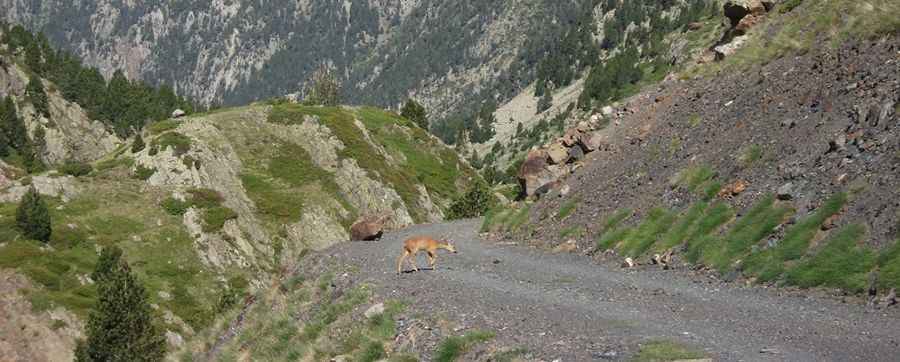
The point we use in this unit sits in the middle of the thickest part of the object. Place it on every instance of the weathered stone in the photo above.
(587, 142)
(558, 154)
(567, 247)
(839, 143)
(367, 228)
(607, 111)
(564, 190)
(695, 26)
(628, 263)
(533, 172)
(576, 154)
(178, 113)
(886, 113)
(786, 191)
(374, 310)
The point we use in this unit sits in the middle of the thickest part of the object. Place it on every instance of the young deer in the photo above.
(417, 243)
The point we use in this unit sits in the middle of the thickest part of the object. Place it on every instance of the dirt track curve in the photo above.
(571, 308)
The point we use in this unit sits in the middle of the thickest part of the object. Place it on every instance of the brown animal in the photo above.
(733, 189)
(413, 245)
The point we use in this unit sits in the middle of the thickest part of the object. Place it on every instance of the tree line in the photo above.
(123, 105)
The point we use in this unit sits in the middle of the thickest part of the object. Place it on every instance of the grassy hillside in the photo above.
(216, 203)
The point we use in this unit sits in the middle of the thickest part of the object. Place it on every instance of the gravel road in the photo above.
(571, 308)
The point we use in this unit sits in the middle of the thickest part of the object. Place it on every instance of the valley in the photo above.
(623, 180)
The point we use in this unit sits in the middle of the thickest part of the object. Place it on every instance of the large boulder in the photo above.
(576, 154)
(367, 228)
(557, 153)
(737, 10)
(590, 142)
(535, 172)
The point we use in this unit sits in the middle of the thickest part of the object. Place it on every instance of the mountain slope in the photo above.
(215, 204)
(772, 165)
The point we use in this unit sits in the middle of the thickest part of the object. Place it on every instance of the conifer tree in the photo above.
(138, 144)
(32, 217)
(34, 91)
(415, 112)
(121, 326)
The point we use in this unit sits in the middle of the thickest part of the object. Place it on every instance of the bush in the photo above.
(214, 218)
(75, 168)
(475, 202)
(143, 173)
(454, 347)
(138, 144)
(33, 218)
(174, 206)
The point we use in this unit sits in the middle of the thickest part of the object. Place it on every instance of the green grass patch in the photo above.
(842, 263)
(180, 143)
(768, 264)
(113, 163)
(156, 128)
(214, 218)
(567, 208)
(751, 155)
(694, 120)
(610, 232)
(572, 232)
(789, 6)
(889, 263)
(271, 199)
(453, 348)
(678, 233)
(759, 222)
(646, 234)
(691, 178)
(505, 220)
(76, 169)
(143, 173)
(655, 351)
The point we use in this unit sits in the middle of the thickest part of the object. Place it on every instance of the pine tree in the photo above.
(138, 144)
(12, 125)
(323, 88)
(32, 217)
(415, 112)
(121, 326)
(34, 91)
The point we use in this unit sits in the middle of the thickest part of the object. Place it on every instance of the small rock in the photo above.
(178, 113)
(839, 143)
(891, 298)
(786, 191)
(567, 247)
(628, 263)
(695, 26)
(576, 154)
(606, 355)
(886, 113)
(789, 123)
(174, 339)
(769, 350)
(164, 295)
(374, 310)
(607, 111)
(557, 154)
(564, 190)
(496, 261)
(368, 228)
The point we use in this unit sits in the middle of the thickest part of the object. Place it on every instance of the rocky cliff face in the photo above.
(239, 51)
(69, 134)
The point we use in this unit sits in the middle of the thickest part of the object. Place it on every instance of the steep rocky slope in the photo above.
(773, 165)
(214, 204)
(69, 134)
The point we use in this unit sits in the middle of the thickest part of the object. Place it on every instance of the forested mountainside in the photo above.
(205, 207)
(459, 58)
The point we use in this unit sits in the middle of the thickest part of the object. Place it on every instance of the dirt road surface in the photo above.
(571, 308)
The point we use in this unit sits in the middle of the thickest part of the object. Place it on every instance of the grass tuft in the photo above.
(842, 263)
(661, 350)
(643, 237)
(768, 264)
(567, 208)
(452, 348)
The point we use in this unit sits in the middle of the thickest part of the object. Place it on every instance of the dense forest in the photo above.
(123, 105)
(614, 58)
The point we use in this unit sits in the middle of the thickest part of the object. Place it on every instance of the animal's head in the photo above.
(448, 244)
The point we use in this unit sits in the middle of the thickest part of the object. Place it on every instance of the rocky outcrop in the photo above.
(69, 134)
(367, 228)
(742, 15)
(545, 166)
(63, 187)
